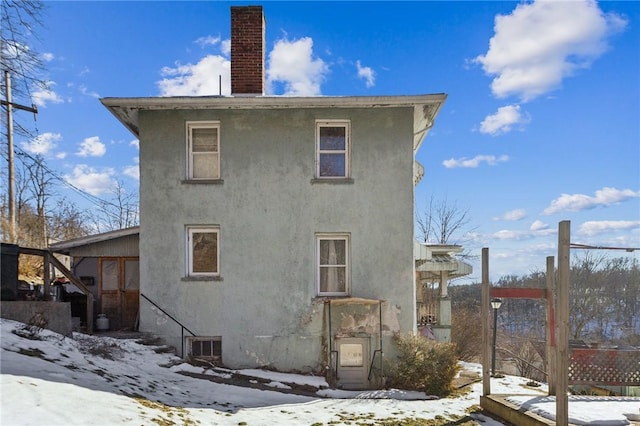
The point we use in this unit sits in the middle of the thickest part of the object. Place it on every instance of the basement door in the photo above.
(120, 291)
(353, 362)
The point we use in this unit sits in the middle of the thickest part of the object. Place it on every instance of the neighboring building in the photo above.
(278, 230)
(108, 266)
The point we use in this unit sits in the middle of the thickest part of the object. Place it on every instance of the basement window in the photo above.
(207, 348)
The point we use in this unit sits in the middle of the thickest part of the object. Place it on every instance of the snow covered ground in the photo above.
(53, 380)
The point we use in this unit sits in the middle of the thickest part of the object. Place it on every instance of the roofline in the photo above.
(426, 107)
(92, 239)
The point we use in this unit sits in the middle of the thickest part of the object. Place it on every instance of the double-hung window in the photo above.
(203, 150)
(203, 254)
(332, 149)
(332, 275)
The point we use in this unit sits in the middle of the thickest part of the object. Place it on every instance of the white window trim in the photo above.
(191, 125)
(342, 236)
(189, 254)
(347, 151)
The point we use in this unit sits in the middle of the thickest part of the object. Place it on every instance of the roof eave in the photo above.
(426, 107)
(92, 239)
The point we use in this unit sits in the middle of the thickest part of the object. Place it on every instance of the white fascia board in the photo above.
(426, 107)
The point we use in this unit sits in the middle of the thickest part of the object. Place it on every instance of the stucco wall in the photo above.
(269, 210)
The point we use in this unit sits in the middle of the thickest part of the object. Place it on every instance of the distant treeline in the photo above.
(604, 303)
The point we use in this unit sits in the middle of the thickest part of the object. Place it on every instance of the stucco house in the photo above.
(278, 231)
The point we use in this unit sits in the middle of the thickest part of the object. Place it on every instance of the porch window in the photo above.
(332, 149)
(202, 251)
(333, 264)
(203, 150)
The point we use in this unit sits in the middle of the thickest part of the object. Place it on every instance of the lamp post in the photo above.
(495, 304)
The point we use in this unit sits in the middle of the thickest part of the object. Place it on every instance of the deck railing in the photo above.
(613, 367)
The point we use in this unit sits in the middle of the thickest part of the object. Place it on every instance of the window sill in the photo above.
(337, 181)
(332, 296)
(202, 181)
(201, 278)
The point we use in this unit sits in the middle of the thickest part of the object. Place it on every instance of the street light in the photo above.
(495, 304)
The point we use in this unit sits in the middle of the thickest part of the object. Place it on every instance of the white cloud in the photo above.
(85, 91)
(503, 120)
(474, 162)
(47, 57)
(577, 202)
(41, 96)
(94, 182)
(225, 47)
(292, 64)
(207, 41)
(599, 227)
(42, 144)
(367, 74)
(91, 147)
(133, 171)
(505, 234)
(541, 43)
(135, 143)
(538, 225)
(201, 79)
(513, 215)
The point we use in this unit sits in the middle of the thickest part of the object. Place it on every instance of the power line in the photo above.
(97, 201)
(590, 247)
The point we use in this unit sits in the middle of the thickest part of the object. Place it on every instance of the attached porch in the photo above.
(436, 265)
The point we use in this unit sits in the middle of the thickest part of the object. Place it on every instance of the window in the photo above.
(205, 348)
(202, 251)
(351, 355)
(332, 149)
(333, 264)
(203, 146)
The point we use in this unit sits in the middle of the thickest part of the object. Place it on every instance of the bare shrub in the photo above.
(32, 330)
(465, 334)
(424, 365)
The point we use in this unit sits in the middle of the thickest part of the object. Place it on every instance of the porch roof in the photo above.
(92, 239)
(433, 259)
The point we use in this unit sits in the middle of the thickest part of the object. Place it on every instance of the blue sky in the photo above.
(541, 123)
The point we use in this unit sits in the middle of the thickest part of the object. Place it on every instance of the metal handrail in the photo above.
(373, 360)
(334, 365)
(182, 326)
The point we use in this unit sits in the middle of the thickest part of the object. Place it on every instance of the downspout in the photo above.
(380, 325)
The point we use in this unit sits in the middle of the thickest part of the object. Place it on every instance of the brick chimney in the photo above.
(247, 51)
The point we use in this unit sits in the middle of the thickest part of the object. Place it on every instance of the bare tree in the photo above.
(588, 300)
(41, 189)
(67, 222)
(19, 22)
(443, 223)
(120, 212)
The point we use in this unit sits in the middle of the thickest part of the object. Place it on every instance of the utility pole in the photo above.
(12, 196)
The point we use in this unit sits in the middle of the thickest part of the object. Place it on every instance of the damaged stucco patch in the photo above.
(357, 319)
(301, 339)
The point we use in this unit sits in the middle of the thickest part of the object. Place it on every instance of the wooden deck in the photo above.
(498, 406)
